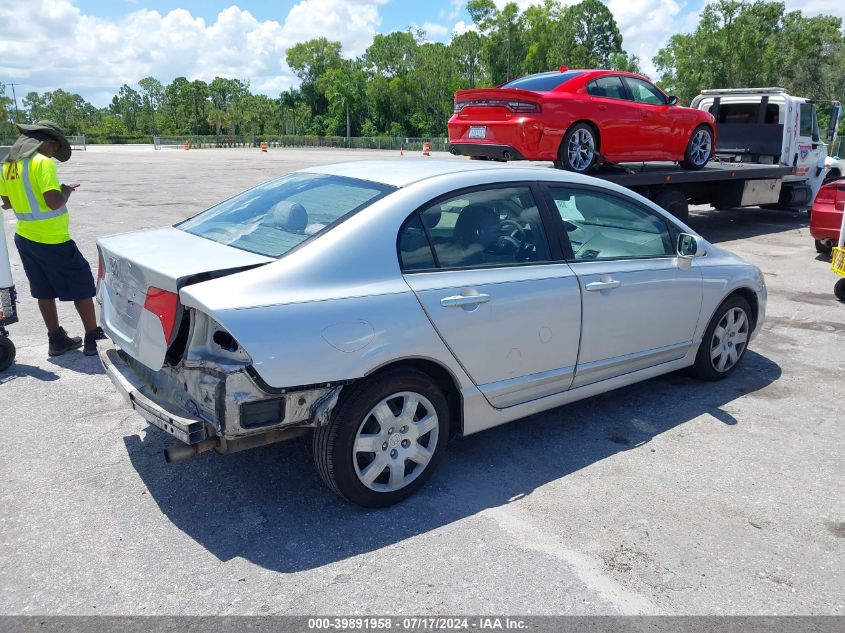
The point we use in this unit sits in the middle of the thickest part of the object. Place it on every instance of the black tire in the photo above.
(692, 161)
(333, 444)
(824, 249)
(563, 159)
(7, 352)
(839, 290)
(674, 202)
(705, 367)
(831, 175)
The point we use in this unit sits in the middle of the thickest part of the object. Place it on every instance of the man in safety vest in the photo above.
(29, 184)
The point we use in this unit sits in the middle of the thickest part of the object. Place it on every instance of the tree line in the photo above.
(403, 85)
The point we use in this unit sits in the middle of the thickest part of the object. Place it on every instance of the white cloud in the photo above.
(94, 56)
(646, 26)
(435, 31)
(457, 6)
(459, 28)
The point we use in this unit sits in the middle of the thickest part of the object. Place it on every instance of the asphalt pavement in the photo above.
(668, 497)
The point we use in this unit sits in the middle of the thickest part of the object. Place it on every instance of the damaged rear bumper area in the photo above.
(209, 406)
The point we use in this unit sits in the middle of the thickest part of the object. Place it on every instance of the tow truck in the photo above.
(768, 153)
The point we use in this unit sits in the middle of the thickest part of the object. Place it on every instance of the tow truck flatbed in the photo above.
(662, 173)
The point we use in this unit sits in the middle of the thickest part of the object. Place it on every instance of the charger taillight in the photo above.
(101, 269)
(164, 305)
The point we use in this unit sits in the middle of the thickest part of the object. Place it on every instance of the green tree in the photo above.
(309, 60)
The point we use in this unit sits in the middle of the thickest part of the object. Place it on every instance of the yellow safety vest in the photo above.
(24, 182)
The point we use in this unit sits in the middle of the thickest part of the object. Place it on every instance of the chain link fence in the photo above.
(408, 144)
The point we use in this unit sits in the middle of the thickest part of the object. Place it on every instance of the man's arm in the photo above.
(56, 199)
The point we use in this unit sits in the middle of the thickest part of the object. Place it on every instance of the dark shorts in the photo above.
(55, 271)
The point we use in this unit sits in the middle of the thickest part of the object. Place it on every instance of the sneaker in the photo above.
(91, 339)
(60, 342)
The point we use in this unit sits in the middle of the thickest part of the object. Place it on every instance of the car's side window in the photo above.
(499, 226)
(644, 92)
(604, 226)
(609, 87)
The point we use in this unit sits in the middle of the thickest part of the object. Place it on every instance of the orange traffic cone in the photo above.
(426, 149)
(186, 144)
(263, 146)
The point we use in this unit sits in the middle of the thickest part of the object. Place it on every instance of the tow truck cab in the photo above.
(770, 127)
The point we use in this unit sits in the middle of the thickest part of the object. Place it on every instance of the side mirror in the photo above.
(689, 246)
(673, 100)
(815, 136)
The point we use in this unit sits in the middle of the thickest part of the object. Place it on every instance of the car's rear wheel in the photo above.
(824, 248)
(725, 340)
(578, 151)
(699, 148)
(384, 439)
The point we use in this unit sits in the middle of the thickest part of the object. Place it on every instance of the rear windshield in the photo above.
(543, 82)
(277, 216)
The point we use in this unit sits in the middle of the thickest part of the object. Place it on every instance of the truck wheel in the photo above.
(699, 148)
(7, 352)
(839, 290)
(578, 151)
(725, 340)
(674, 202)
(384, 439)
(823, 248)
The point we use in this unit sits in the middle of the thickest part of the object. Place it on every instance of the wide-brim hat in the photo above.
(50, 129)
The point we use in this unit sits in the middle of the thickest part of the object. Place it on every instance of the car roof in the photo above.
(404, 172)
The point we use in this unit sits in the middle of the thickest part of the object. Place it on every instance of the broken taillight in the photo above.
(163, 304)
(101, 269)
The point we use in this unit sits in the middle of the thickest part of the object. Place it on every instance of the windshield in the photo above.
(277, 216)
(543, 82)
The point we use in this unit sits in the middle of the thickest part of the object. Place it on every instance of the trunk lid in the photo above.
(495, 103)
(164, 260)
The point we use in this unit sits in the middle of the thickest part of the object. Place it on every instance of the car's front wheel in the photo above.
(825, 248)
(725, 340)
(384, 439)
(699, 148)
(578, 151)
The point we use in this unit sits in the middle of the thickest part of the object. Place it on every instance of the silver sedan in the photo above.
(385, 307)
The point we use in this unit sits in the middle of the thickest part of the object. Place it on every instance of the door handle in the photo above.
(644, 115)
(602, 107)
(457, 301)
(603, 285)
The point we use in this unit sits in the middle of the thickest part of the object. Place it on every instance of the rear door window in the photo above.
(609, 87)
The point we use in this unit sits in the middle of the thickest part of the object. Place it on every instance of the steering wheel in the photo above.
(514, 240)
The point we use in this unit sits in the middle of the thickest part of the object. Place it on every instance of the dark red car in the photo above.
(826, 218)
(578, 118)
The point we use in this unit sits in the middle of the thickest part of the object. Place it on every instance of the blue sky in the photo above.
(92, 47)
(396, 15)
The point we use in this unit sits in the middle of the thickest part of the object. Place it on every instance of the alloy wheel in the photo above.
(729, 340)
(581, 149)
(395, 441)
(701, 146)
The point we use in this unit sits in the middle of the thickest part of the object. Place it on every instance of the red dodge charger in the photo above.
(579, 118)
